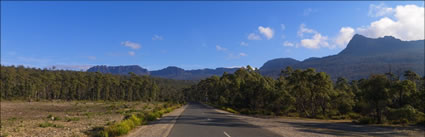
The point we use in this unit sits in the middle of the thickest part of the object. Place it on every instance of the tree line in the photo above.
(307, 93)
(43, 84)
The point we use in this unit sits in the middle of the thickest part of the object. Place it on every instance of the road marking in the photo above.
(226, 134)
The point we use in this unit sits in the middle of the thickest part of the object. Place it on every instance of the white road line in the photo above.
(226, 134)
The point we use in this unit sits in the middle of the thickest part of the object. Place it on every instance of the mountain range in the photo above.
(171, 72)
(362, 57)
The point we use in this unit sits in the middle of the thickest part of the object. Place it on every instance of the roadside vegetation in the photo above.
(379, 99)
(133, 120)
(20, 83)
(42, 102)
(67, 118)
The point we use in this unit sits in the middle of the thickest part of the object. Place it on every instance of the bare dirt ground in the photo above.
(70, 119)
(298, 127)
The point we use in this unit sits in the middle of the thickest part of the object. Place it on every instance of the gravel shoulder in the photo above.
(158, 128)
(293, 127)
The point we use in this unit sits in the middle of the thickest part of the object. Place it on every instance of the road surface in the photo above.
(198, 120)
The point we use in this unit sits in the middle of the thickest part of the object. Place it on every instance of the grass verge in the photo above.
(132, 121)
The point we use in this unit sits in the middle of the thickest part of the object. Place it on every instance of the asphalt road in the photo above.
(201, 121)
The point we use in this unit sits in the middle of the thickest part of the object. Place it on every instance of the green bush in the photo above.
(353, 115)
(232, 110)
(151, 116)
(52, 117)
(131, 121)
(69, 119)
(403, 115)
(365, 120)
(47, 124)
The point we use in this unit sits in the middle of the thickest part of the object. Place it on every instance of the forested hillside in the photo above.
(379, 98)
(37, 84)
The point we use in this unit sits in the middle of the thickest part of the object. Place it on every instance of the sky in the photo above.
(193, 35)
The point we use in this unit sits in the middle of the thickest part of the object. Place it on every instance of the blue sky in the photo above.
(190, 35)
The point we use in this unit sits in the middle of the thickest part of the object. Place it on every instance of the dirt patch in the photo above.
(61, 118)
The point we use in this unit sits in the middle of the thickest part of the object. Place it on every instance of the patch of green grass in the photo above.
(13, 119)
(89, 114)
(4, 135)
(69, 119)
(48, 124)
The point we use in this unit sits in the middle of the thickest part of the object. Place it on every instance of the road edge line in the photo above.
(173, 122)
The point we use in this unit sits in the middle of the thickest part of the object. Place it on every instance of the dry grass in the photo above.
(61, 118)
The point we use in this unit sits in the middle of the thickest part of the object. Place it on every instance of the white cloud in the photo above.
(288, 44)
(131, 53)
(253, 36)
(316, 42)
(130, 44)
(344, 36)
(242, 54)
(219, 48)
(304, 30)
(157, 37)
(408, 24)
(244, 43)
(308, 11)
(379, 10)
(236, 56)
(282, 26)
(266, 31)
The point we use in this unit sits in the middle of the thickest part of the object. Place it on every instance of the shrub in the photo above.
(232, 110)
(403, 115)
(365, 120)
(69, 119)
(47, 124)
(131, 121)
(353, 115)
(117, 129)
(151, 116)
(54, 118)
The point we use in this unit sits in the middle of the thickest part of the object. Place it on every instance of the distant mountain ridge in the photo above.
(171, 72)
(362, 57)
(120, 70)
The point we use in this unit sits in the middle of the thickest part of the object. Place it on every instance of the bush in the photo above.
(131, 121)
(151, 116)
(47, 124)
(232, 110)
(54, 118)
(69, 119)
(365, 120)
(353, 115)
(403, 115)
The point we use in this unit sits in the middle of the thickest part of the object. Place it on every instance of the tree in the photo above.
(410, 75)
(377, 93)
